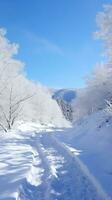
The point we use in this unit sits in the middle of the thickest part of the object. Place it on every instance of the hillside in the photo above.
(64, 98)
(93, 136)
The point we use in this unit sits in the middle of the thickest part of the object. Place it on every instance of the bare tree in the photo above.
(11, 112)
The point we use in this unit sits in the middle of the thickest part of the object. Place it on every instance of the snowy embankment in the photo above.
(36, 165)
(93, 136)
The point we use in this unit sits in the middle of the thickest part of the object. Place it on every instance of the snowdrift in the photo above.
(93, 136)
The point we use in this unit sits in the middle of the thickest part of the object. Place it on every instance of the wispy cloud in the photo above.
(43, 44)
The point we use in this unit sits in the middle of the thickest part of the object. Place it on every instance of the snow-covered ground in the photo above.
(93, 136)
(35, 164)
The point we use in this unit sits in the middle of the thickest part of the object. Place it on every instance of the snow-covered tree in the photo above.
(20, 98)
(42, 108)
(98, 85)
(12, 100)
(66, 109)
(104, 23)
(97, 91)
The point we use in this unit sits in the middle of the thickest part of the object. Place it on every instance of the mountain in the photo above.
(66, 94)
(64, 98)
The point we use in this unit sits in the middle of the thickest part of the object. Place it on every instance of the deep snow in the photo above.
(34, 164)
(93, 136)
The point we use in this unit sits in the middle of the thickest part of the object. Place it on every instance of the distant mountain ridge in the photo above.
(66, 94)
(64, 98)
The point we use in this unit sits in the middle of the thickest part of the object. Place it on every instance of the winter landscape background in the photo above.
(56, 143)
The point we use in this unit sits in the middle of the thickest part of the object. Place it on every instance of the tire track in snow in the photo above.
(63, 177)
(49, 169)
(32, 186)
(73, 177)
(47, 178)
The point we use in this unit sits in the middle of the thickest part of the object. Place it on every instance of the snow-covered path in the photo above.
(46, 169)
(62, 176)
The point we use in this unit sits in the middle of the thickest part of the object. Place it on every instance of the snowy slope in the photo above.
(36, 165)
(93, 136)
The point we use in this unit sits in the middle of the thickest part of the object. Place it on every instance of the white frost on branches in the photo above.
(98, 90)
(104, 23)
(21, 99)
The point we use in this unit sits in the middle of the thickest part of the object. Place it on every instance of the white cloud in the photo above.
(43, 44)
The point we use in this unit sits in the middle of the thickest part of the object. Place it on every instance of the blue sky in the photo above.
(55, 37)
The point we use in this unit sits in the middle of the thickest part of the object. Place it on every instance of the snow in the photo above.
(93, 136)
(35, 173)
(73, 150)
(35, 164)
